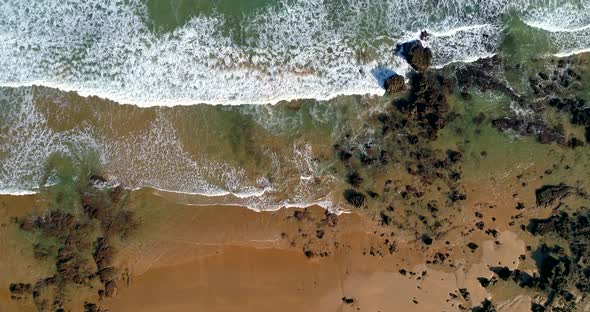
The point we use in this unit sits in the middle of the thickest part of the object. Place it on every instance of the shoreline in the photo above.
(374, 92)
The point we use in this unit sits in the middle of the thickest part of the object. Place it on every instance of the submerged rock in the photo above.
(418, 56)
(355, 198)
(543, 132)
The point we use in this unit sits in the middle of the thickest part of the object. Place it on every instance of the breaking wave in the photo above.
(288, 49)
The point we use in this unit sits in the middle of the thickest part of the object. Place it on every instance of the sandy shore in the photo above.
(188, 257)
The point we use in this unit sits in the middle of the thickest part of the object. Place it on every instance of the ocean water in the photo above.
(244, 55)
(161, 52)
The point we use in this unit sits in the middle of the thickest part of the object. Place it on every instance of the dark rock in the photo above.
(427, 240)
(485, 306)
(454, 196)
(110, 288)
(481, 74)
(90, 307)
(464, 293)
(574, 142)
(418, 56)
(424, 35)
(483, 281)
(395, 84)
(454, 156)
(20, 288)
(557, 223)
(300, 215)
(535, 307)
(344, 155)
(347, 300)
(319, 234)
(372, 194)
(548, 194)
(355, 198)
(472, 246)
(331, 219)
(385, 219)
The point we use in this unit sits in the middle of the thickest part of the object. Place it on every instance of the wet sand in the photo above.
(187, 257)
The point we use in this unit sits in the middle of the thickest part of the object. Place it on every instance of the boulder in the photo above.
(416, 54)
(395, 84)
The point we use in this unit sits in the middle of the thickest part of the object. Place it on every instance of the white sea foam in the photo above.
(27, 141)
(150, 156)
(291, 49)
(16, 192)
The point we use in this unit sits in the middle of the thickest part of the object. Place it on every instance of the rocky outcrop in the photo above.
(395, 84)
(426, 104)
(416, 54)
(548, 194)
(562, 276)
(485, 306)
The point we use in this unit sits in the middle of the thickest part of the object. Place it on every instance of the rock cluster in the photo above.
(81, 257)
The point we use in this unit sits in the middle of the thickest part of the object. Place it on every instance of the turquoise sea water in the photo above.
(257, 51)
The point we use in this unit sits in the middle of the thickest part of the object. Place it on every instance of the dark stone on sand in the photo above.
(454, 196)
(485, 306)
(320, 234)
(110, 288)
(385, 219)
(90, 307)
(418, 56)
(484, 282)
(355, 198)
(464, 293)
(395, 84)
(299, 215)
(472, 246)
(19, 288)
(427, 240)
(502, 272)
(347, 300)
(548, 194)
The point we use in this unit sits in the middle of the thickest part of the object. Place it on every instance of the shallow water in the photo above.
(188, 52)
